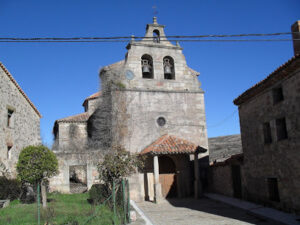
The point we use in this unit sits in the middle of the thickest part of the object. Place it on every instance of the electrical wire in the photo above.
(181, 38)
(224, 120)
(112, 41)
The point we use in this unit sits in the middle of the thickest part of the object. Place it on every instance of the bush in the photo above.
(9, 188)
(118, 164)
(36, 163)
(98, 193)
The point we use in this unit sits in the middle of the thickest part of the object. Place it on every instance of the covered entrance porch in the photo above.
(171, 169)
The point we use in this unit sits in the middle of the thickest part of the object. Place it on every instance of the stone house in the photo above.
(19, 121)
(151, 103)
(226, 165)
(270, 129)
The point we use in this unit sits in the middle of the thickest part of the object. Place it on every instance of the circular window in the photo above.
(161, 121)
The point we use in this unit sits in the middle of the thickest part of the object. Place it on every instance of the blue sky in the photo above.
(57, 77)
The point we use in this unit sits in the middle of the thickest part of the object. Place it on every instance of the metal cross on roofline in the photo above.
(155, 12)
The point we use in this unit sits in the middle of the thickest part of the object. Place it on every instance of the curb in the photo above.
(141, 213)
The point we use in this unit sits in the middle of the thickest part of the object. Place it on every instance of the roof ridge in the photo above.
(10, 76)
(68, 118)
(245, 95)
(170, 144)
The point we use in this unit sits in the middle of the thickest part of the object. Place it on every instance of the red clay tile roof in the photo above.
(93, 96)
(280, 73)
(19, 88)
(82, 117)
(169, 144)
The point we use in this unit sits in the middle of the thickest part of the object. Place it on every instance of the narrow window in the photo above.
(273, 189)
(267, 133)
(169, 70)
(8, 151)
(281, 129)
(156, 36)
(9, 117)
(277, 95)
(147, 66)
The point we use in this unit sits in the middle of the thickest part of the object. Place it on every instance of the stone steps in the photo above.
(77, 188)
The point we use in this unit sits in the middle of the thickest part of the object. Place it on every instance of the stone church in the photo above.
(150, 103)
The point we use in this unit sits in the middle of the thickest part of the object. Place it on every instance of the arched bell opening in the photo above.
(167, 176)
(169, 69)
(156, 36)
(147, 66)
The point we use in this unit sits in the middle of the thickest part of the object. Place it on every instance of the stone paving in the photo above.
(193, 212)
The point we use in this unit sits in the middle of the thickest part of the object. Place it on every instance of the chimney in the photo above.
(296, 35)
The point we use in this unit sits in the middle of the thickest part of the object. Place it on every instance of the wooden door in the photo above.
(168, 185)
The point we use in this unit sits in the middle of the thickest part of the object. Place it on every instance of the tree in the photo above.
(35, 165)
(118, 164)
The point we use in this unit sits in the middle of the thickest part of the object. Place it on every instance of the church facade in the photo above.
(150, 103)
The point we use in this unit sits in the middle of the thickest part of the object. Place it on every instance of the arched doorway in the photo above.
(167, 176)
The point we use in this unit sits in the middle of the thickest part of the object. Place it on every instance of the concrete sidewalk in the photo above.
(258, 210)
(189, 211)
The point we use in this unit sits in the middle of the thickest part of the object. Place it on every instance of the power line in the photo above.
(141, 37)
(112, 41)
(224, 120)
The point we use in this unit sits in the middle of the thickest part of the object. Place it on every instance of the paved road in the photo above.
(193, 212)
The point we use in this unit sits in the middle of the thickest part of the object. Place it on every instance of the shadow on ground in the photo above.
(209, 206)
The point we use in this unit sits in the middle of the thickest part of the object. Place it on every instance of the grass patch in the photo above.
(71, 209)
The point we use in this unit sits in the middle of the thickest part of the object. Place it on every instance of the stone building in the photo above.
(151, 103)
(19, 121)
(270, 129)
(77, 163)
(226, 165)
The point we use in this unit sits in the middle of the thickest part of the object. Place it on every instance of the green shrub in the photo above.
(36, 163)
(98, 193)
(9, 188)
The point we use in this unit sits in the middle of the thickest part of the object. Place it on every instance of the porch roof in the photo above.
(169, 144)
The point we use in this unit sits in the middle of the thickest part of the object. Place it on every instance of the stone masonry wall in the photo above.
(24, 128)
(221, 180)
(279, 159)
(72, 137)
(67, 160)
(183, 111)
(184, 114)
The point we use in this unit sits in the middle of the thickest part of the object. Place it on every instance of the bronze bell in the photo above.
(167, 66)
(167, 69)
(146, 69)
(145, 66)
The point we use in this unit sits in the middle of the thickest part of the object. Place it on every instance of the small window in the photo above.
(281, 129)
(9, 117)
(156, 36)
(267, 133)
(169, 70)
(8, 151)
(273, 189)
(277, 95)
(147, 66)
